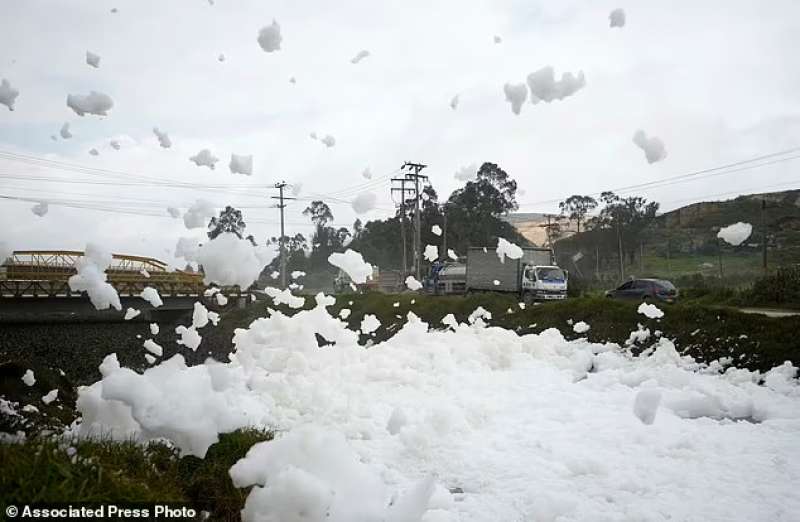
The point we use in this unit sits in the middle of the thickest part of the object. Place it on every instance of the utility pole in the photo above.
(402, 190)
(281, 205)
(764, 235)
(414, 176)
(444, 232)
(597, 261)
(549, 227)
(621, 258)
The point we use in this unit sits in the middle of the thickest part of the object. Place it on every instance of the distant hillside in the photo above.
(532, 226)
(683, 241)
(695, 226)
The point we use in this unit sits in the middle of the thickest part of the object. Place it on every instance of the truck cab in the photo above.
(540, 283)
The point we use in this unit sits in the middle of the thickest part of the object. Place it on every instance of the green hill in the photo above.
(683, 242)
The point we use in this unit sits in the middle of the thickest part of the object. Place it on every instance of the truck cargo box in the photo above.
(484, 267)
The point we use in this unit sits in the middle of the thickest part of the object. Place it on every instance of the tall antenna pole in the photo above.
(281, 205)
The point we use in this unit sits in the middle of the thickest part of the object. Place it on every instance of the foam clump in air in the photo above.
(228, 260)
(163, 138)
(544, 87)
(40, 209)
(8, 94)
(515, 95)
(241, 164)
(204, 158)
(650, 311)
(616, 18)
(130, 313)
(64, 132)
(187, 248)
(360, 56)
(269, 37)
(352, 263)
(454, 101)
(92, 59)
(329, 141)
(189, 337)
(735, 234)
(150, 295)
(436, 230)
(50, 397)
(153, 347)
(431, 253)
(412, 283)
(28, 378)
(91, 278)
(364, 202)
(95, 103)
(653, 147)
(466, 173)
(198, 215)
(507, 249)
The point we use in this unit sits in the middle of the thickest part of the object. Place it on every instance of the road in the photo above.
(770, 312)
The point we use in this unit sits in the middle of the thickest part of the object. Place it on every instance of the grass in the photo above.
(708, 265)
(42, 470)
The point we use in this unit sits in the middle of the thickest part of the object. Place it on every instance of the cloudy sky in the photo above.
(715, 81)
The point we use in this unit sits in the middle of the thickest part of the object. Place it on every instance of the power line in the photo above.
(691, 176)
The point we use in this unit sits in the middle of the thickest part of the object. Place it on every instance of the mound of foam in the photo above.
(514, 423)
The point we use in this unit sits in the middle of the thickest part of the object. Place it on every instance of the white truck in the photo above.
(534, 276)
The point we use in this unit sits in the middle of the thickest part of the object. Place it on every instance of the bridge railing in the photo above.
(46, 272)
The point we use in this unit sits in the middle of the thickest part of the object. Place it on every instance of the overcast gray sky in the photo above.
(716, 81)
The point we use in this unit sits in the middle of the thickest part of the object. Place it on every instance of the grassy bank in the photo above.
(52, 470)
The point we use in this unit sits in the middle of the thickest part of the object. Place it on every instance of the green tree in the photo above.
(296, 253)
(475, 212)
(326, 239)
(629, 217)
(576, 207)
(229, 220)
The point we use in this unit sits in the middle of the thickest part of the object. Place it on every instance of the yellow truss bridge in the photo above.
(44, 273)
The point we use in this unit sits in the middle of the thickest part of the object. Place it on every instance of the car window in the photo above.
(641, 285)
(626, 286)
(666, 285)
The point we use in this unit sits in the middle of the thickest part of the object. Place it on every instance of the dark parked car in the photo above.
(644, 289)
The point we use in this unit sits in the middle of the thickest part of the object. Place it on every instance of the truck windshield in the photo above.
(550, 274)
